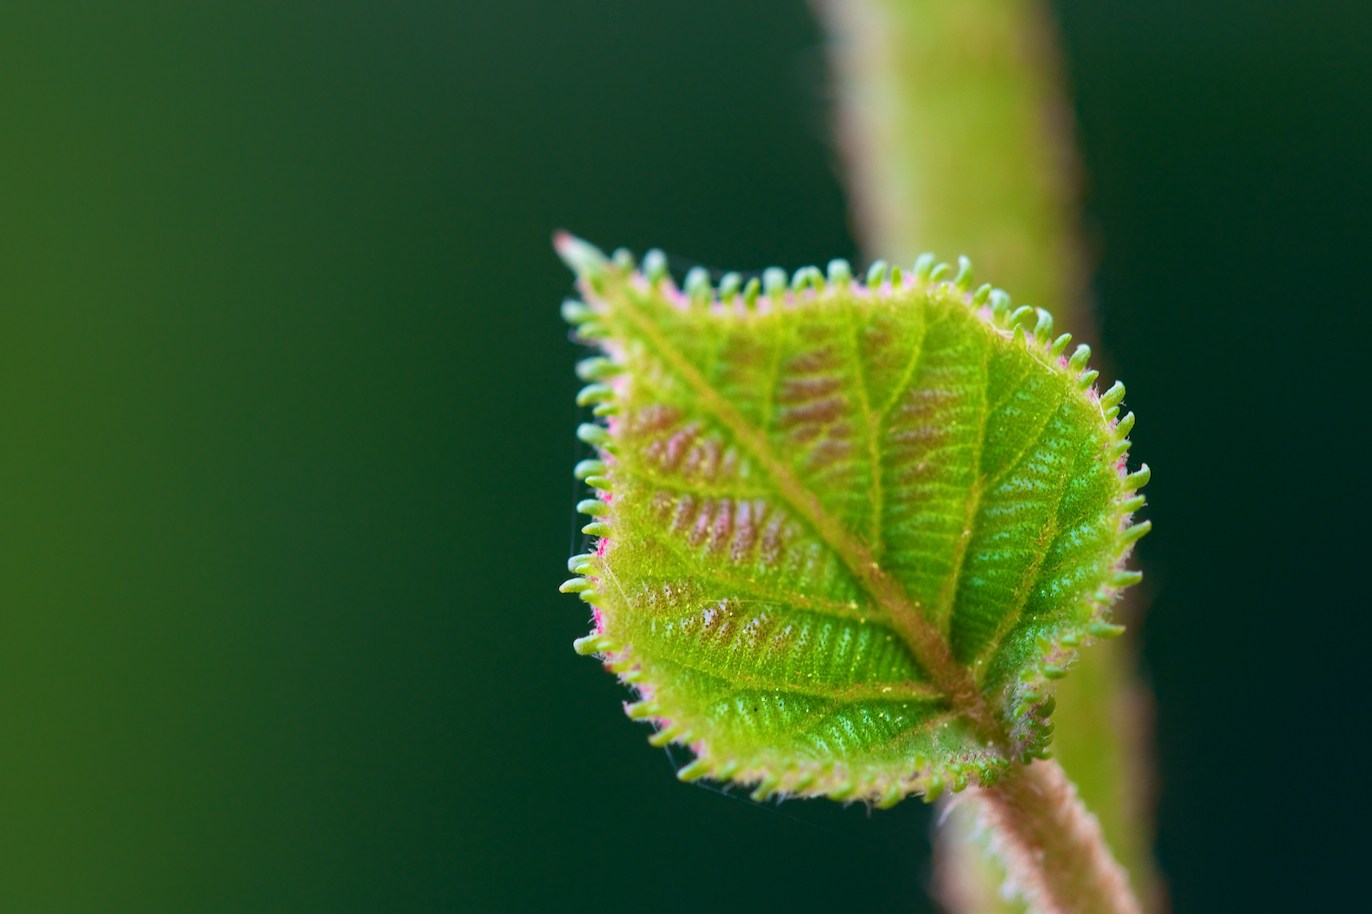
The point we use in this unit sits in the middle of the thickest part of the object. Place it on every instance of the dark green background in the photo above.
(286, 432)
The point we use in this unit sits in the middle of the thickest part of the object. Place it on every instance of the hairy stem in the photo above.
(955, 127)
(1052, 846)
(958, 138)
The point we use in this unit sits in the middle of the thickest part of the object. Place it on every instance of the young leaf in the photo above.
(849, 535)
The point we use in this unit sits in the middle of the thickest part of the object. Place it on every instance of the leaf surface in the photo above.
(848, 534)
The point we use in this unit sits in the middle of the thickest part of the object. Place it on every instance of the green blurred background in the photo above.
(286, 437)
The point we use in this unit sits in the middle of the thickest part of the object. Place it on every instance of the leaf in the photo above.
(848, 535)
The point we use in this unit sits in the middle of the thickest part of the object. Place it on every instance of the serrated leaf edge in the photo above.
(1029, 702)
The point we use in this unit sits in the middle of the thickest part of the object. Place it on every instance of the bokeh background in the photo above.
(286, 437)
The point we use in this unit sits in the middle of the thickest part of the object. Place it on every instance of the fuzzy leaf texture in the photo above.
(848, 534)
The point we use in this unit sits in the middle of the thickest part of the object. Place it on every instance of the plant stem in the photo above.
(1052, 846)
(956, 131)
(958, 139)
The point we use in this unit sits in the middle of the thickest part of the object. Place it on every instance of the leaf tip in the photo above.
(962, 282)
(1124, 578)
(694, 771)
(1135, 532)
(655, 266)
(729, 284)
(576, 313)
(1104, 630)
(668, 734)
(840, 273)
(697, 286)
(1139, 478)
(1113, 396)
(597, 528)
(765, 788)
(774, 281)
(876, 274)
(594, 643)
(924, 264)
(581, 257)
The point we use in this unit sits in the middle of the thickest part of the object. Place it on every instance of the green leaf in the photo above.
(850, 535)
